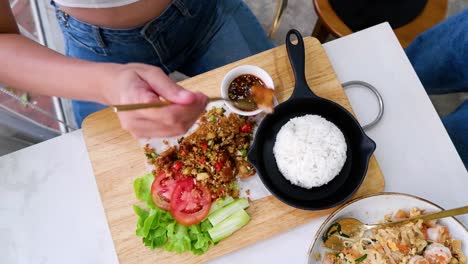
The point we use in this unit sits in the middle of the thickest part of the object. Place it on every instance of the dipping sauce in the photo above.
(240, 88)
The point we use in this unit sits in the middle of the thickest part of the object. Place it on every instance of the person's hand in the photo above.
(140, 83)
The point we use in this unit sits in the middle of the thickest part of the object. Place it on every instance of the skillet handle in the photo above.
(296, 56)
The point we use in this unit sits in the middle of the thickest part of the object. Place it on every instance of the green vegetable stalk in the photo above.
(229, 225)
(228, 210)
(219, 203)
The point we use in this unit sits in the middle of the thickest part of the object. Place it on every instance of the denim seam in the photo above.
(102, 32)
(182, 8)
(98, 51)
(98, 37)
(202, 44)
(148, 30)
(155, 49)
(73, 24)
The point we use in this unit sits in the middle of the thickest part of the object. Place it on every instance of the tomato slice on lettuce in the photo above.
(190, 203)
(161, 190)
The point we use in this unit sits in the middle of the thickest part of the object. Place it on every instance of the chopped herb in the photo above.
(212, 118)
(361, 258)
(244, 153)
(343, 235)
(210, 143)
(151, 155)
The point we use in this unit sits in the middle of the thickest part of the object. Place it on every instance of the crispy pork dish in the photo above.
(214, 155)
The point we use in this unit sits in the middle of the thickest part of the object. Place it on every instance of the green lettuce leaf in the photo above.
(142, 188)
(205, 225)
(142, 215)
(201, 241)
(148, 224)
(178, 238)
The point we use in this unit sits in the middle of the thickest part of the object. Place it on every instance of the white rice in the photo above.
(310, 151)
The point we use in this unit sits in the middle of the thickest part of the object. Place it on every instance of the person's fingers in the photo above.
(147, 97)
(162, 122)
(202, 97)
(136, 90)
(149, 84)
(165, 86)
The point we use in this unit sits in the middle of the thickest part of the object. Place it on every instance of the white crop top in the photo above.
(94, 3)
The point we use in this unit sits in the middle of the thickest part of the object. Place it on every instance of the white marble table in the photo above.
(50, 210)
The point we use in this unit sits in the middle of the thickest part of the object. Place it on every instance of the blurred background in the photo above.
(27, 119)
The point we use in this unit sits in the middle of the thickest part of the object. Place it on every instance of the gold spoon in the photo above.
(241, 104)
(353, 228)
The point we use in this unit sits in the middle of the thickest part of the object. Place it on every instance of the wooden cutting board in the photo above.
(117, 160)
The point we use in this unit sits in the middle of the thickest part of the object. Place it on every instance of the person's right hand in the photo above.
(140, 83)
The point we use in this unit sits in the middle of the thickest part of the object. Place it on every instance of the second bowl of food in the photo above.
(440, 241)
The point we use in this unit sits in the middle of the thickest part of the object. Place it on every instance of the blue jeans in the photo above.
(440, 58)
(190, 36)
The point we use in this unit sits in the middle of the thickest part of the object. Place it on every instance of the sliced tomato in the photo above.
(161, 190)
(190, 203)
(178, 175)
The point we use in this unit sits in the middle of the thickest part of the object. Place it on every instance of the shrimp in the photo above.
(438, 234)
(437, 254)
(418, 260)
(328, 259)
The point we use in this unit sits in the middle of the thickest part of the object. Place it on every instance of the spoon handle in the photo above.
(432, 216)
(129, 107)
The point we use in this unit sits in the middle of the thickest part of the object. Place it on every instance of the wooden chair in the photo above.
(280, 7)
(329, 23)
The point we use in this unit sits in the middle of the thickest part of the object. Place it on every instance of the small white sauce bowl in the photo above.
(238, 71)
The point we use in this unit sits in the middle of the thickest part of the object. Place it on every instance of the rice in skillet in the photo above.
(310, 151)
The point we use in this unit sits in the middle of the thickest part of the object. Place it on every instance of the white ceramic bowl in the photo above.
(240, 70)
(373, 208)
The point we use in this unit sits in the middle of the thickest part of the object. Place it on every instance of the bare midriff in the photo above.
(121, 17)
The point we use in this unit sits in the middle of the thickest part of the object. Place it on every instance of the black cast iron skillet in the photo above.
(303, 101)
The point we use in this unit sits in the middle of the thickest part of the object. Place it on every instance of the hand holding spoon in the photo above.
(262, 98)
(130, 107)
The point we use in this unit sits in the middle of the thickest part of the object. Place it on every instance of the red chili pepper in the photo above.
(182, 153)
(202, 160)
(218, 165)
(177, 166)
(246, 128)
(204, 146)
